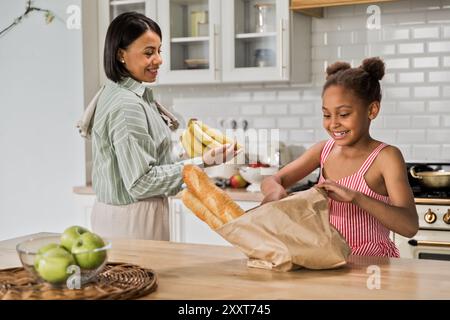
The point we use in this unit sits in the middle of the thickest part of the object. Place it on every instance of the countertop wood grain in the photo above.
(191, 271)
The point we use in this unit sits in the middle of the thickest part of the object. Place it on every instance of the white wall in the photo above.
(414, 40)
(41, 97)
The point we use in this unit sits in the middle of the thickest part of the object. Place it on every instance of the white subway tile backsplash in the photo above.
(429, 152)
(426, 92)
(395, 7)
(264, 123)
(446, 61)
(381, 49)
(446, 122)
(439, 76)
(411, 107)
(425, 5)
(446, 91)
(426, 62)
(439, 106)
(425, 121)
(340, 11)
(388, 136)
(445, 152)
(311, 122)
(411, 19)
(410, 48)
(389, 78)
(240, 96)
(446, 31)
(354, 51)
(293, 95)
(302, 135)
(426, 32)
(325, 52)
(252, 109)
(274, 109)
(439, 46)
(397, 92)
(264, 95)
(291, 122)
(400, 63)
(438, 16)
(301, 108)
(411, 136)
(411, 77)
(436, 136)
(338, 38)
(390, 34)
(397, 122)
(406, 150)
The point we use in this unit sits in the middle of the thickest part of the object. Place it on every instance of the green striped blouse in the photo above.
(131, 146)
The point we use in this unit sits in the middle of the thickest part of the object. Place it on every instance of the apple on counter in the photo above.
(237, 181)
(52, 265)
(84, 251)
(71, 235)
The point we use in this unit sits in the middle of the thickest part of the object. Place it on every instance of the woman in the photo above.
(133, 172)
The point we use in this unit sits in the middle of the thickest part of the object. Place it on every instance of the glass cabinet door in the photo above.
(190, 40)
(255, 40)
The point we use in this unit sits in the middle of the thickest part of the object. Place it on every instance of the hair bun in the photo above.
(374, 66)
(336, 67)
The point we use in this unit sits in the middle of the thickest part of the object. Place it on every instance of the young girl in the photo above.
(365, 179)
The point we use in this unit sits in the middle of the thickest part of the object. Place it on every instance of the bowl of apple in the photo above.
(70, 259)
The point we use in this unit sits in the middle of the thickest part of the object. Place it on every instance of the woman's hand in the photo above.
(277, 194)
(220, 154)
(337, 192)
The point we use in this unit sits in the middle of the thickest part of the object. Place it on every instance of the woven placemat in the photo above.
(118, 281)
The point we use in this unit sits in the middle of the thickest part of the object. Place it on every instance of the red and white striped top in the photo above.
(364, 233)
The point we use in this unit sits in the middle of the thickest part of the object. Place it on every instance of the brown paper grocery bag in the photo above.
(290, 233)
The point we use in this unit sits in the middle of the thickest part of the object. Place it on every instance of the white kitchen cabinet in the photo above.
(84, 203)
(186, 227)
(224, 41)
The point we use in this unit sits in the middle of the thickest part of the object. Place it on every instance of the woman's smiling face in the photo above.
(345, 117)
(142, 57)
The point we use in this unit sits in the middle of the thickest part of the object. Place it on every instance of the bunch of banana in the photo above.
(199, 138)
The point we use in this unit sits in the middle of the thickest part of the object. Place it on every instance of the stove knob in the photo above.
(446, 217)
(430, 217)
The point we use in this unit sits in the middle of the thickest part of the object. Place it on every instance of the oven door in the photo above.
(426, 244)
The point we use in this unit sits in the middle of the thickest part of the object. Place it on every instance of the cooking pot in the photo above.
(432, 179)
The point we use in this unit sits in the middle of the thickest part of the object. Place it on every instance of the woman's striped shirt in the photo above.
(131, 146)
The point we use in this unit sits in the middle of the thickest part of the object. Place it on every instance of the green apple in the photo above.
(43, 250)
(52, 266)
(70, 235)
(84, 251)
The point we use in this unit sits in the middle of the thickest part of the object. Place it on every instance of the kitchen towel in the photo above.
(84, 125)
(288, 234)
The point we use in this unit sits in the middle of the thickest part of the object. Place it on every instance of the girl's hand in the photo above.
(220, 154)
(278, 194)
(337, 192)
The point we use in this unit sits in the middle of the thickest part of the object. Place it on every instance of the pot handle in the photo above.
(413, 173)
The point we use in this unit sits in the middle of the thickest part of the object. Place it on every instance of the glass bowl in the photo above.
(55, 266)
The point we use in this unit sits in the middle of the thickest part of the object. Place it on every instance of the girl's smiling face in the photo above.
(345, 117)
(142, 57)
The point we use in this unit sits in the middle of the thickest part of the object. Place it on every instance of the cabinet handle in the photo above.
(417, 243)
(214, 45)
(281, 48)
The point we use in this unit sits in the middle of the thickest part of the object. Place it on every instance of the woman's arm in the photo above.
(274, 187)
(400, 215)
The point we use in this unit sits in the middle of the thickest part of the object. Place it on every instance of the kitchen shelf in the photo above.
(126, 2)
(189, 39)
(255, 35)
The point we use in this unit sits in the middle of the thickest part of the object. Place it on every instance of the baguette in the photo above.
(215, 199)
(197, 207)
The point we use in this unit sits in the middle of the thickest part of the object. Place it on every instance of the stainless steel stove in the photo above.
(432, 241)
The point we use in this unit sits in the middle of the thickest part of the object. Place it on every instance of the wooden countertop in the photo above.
(188, 271)
(235, 194)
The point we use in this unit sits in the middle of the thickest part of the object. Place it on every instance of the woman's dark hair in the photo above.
(122, 31)
(364, 80)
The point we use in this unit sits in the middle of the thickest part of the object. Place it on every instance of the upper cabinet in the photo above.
(224, 41)
(310, 4)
